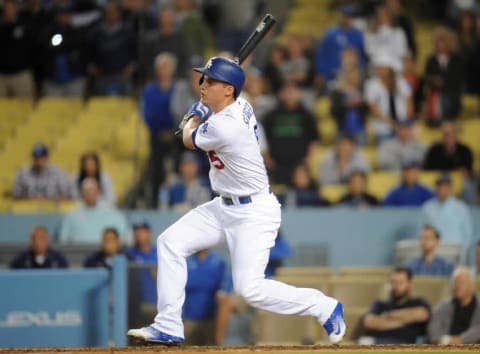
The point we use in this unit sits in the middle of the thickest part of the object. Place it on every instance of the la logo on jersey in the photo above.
(204, 128)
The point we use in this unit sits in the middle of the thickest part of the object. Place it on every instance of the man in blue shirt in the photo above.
(207, 307)
(449, 215)
(156, 110)
(335, 40)
(410, 192)
(429, 263)
(145, 255)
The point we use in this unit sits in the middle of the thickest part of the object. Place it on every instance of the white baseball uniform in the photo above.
(246, 215)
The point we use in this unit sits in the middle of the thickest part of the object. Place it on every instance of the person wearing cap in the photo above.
(404, 147)
(410, 192)
(328, 52)
(449, 215)
(389, 96)
(189, 190)
(41, 180)
(144, 254)
(429, 263)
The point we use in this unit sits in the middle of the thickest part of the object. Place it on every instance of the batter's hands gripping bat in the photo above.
(251, 43)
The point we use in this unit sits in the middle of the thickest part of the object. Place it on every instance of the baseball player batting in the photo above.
(246, 215)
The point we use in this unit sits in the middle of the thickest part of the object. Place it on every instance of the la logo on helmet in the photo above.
(209, 64)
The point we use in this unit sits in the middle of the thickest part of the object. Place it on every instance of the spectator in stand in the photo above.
(451, 155)
(291, 132)
(348, 106)
(389, 96)
(272, 68)
(165, 39)
(450, 216)
(341, 161)
(444, 79)
(41, 180)
(335, 40)
(400, 319)
(456, 320)
(63, 61)
(255, 89)
(207, 306)
(429, 263)
(113, 52)
(468, 43)
(37, 18)
(187, 90)
(191, 24)
(140, 15)
(357, 195)
(393, 153)
(304, 191)
(401, 20)
(410, 192)
(189, 190)
(84, 224)
(16, 78)
(235, 21)
(296, 67)
(145, 254)
(39, 254)
(157, 114)
(413, 78)
(384, 37)
(90, 167)
(111, 247)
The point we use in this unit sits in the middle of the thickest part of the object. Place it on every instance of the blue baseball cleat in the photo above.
(154, 336)
(335, 325)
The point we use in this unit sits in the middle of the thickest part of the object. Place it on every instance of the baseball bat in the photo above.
(250, 44)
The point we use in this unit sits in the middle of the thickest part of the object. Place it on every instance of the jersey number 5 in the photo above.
(215, 160)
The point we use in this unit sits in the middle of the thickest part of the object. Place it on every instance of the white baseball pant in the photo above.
(250, 231)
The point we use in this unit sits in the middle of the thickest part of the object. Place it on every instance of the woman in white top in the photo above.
(384, 37)
(90, 167)
(389, 97)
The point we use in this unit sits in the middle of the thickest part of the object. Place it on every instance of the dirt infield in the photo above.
(323, 349)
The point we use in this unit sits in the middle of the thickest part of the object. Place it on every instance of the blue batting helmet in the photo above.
(225, 70)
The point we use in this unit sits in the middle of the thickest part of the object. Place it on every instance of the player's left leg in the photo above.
(251, 235)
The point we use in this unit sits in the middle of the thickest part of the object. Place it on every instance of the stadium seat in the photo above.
(356, 292)
(301, 271)
(333, 192)
(305, 281)
(432, 289)
(271, 328)
(382, 272)
(380, 183)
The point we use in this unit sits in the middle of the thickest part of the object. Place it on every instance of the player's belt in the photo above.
(242, 200)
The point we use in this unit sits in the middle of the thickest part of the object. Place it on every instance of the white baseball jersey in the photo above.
(230, 139)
